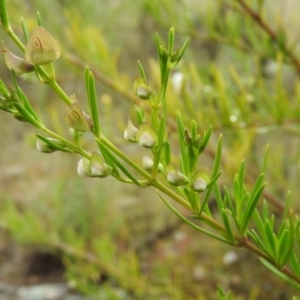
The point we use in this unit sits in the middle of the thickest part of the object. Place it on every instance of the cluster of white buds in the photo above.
(199, 181)
(144, 135)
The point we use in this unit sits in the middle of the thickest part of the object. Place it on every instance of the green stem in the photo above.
(76, 149)
(108, 144)
(161, 100)
(151, 180)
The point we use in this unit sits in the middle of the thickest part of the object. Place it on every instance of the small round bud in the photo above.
(200, 181)
(147, 163)
(175, 178)
(83, 167)
(130, 132)
(146, 136)
(97, 166)
(141, 89)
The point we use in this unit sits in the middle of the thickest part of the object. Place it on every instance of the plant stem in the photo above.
(76, 149)
(258, 19)
(56, 87)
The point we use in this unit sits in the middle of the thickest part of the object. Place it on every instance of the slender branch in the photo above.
(258, 19)
(290, 274)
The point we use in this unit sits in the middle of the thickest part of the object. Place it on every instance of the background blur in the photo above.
(233, 77)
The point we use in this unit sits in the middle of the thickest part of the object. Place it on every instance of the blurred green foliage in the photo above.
(235, 77)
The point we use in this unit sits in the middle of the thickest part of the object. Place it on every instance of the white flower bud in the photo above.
(200, 181)
(82, 167)
(145, 136)
(175, 178)
(130, 132)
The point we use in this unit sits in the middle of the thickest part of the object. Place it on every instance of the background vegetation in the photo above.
(239, 75)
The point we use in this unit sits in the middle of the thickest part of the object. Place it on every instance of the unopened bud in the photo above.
(146, 136)
(95, 167)
(98, 168)
(16, 63)
(83, 167)
(41, 47)
(19, 117)
(141, 89)
(77, 119)
(200, 181)
(175, 178)
(130, 132)
(147, 164)
(47, 148)
(175, 56)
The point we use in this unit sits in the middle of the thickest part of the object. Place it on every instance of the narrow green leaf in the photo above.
(139, 115)
(180, 216)
(217, 158)
(4, 15)
(218, 198)
(181, 136)
(107, 159)
(161, 130)
(252, 202)
(25, 29)
(171, 41)
(27, 105)
(253, 234)
(167, 152)
(295, 264)
(283, 249)
(120, 165)
(207, 210)
(288, 245)
(39, 19)
(92, 96)
(194, 201)
(3, 90)
(230, 235)
(206, 139)
(182, 50)
(280, 274)
(272, 240)
(53, 145)
(258, 221)
(142, 72)
(194, 131)
(14, 78)
(86, 80)
(261, 229)
(209, 190)
(265, 210)
(27, 116)
(237, 198)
